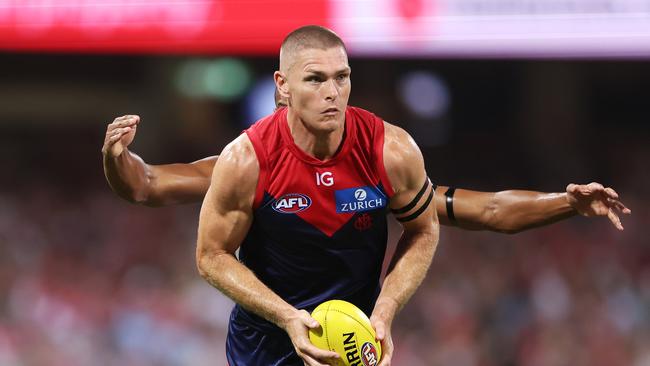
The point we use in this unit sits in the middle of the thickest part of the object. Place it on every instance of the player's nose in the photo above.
(331, 90)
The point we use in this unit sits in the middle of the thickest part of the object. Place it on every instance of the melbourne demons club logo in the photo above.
(369, 355)
(363, 222)
(292, 203)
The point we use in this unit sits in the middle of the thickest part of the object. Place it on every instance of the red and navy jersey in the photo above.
(319, 229)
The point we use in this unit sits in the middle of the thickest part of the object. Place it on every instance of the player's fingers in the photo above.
(386, 356)
(112, 126)
(385, 361)
(114, 138)
(621, 207)
(121, 131)
(583, 190)
(316, 353)
(611, 192)
(618, 205)
(130, 121)
(616, 221)
(595, 186)
(126, 120)
(120, 118)
(110, 137)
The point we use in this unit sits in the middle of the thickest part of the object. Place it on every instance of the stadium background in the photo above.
(88, 279)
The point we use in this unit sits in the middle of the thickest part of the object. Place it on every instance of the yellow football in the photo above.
(345, 329)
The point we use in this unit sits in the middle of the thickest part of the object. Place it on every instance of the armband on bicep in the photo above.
(401, 213)
(449, 203)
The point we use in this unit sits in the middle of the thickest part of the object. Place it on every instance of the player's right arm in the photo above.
(513, 211)
(226, 217)
(152, 185)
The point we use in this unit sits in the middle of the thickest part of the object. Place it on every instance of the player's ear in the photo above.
(281, 84)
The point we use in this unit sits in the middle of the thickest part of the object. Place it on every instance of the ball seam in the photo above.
(351, 317)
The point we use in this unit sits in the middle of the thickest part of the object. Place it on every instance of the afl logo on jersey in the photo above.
(292, 203)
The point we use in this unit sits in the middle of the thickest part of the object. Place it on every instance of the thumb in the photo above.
(380, 330)
(311, 323)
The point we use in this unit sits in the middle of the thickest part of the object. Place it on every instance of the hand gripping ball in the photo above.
(345, 329)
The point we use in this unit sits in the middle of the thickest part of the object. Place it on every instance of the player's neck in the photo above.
(322, 145)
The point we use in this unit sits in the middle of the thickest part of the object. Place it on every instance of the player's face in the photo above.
(319, 87)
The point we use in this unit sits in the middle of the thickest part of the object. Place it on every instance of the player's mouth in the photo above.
(330, 111)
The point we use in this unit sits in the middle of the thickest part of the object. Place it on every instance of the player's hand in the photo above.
(119, 134)
(595, 200)
(382, 330)
(298, 329)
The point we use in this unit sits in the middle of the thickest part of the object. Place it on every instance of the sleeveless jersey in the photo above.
(319, 228)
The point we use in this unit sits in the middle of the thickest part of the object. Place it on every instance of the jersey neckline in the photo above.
(349, 136)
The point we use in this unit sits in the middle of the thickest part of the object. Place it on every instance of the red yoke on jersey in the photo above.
(314, 189)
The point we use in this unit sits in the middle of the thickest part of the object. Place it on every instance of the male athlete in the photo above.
(506, 211)
(317, 177)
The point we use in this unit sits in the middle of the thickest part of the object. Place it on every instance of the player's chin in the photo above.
(326, 125)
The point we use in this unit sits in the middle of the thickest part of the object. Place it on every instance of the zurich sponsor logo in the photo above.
(292, 203)
(360, 199)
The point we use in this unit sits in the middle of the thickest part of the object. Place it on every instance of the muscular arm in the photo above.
(158, 185)
(509, 211)
(415, 249)
(506, 211)
(152, 185)
(514, 211)
(226, 216)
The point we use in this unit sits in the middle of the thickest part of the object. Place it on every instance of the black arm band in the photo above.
(449, 194)
(415, 200)
(420, 210)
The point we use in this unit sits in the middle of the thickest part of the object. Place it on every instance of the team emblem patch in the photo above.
(291, 203)
(360, 199)
(363, 222)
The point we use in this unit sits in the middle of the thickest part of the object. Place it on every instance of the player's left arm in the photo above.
(414, 207)
(513, 211)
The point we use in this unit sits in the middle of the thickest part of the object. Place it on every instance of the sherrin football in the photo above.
(345, 329)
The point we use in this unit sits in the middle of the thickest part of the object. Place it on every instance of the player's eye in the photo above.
(342, 77)
(313, 79)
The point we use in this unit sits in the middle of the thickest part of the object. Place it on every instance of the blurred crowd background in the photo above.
(89, 279)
